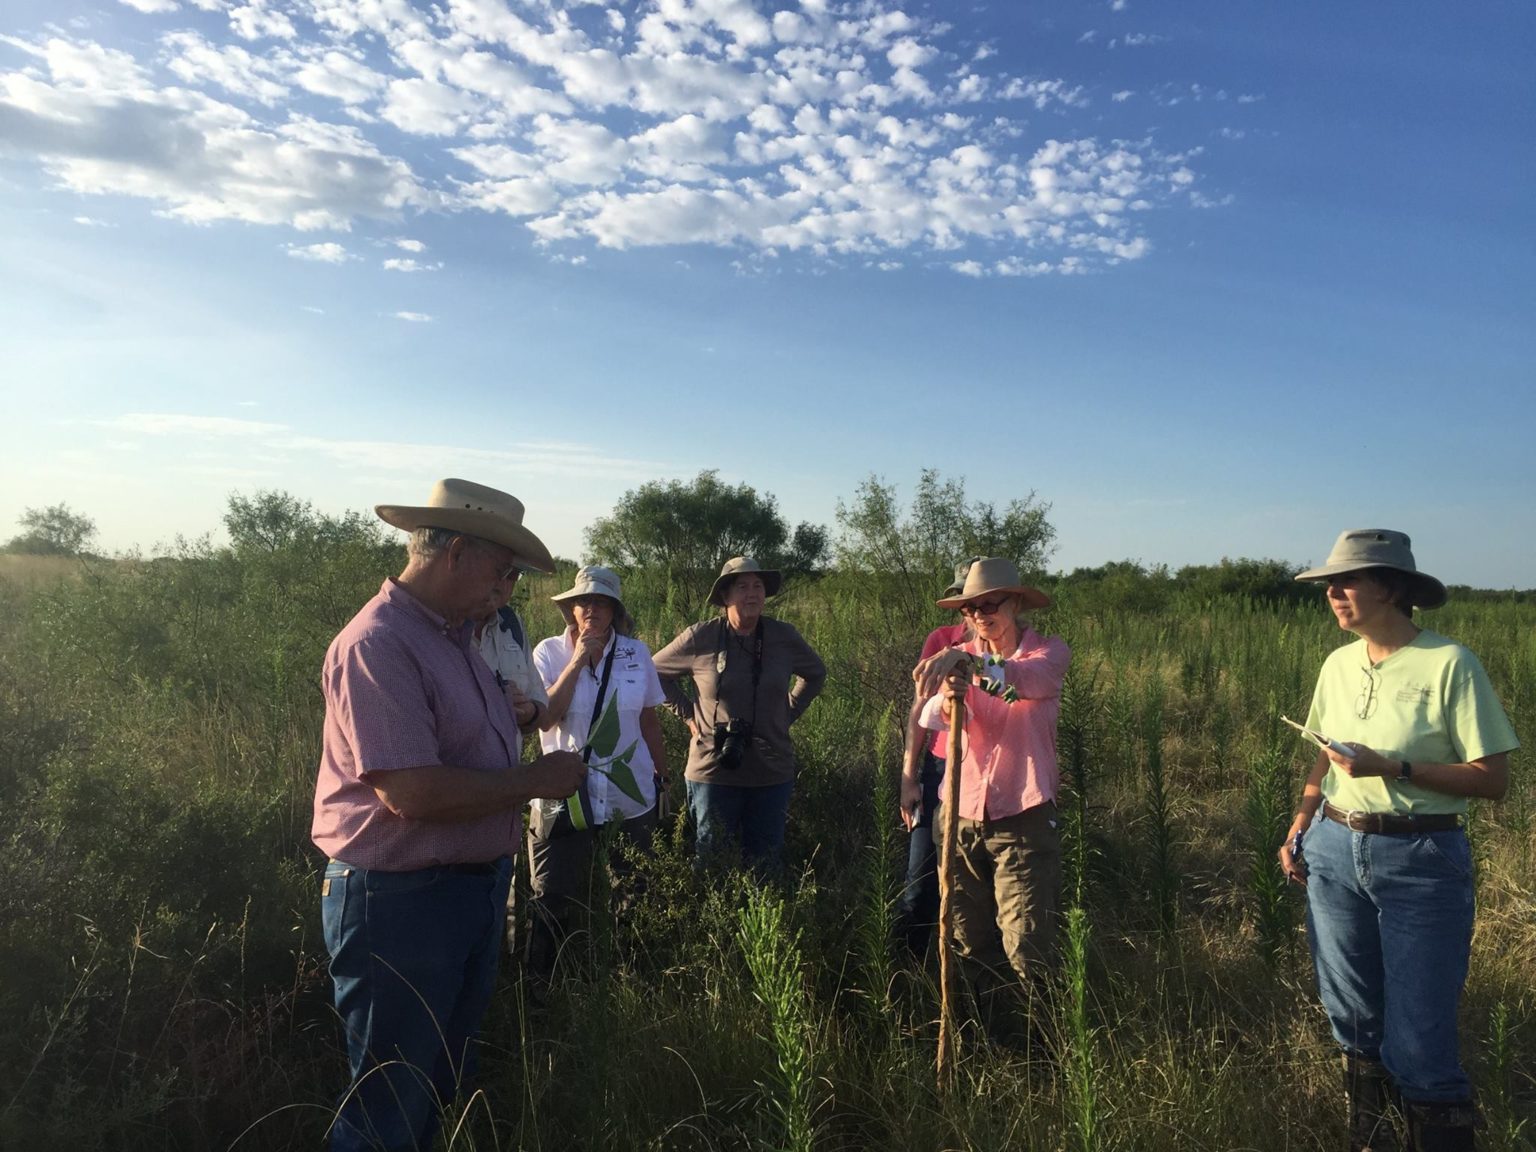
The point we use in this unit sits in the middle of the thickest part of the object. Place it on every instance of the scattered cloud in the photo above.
(412, 317)
(177, 424)
(92, 222)
(218, 441)
(829, 130)
(327, 253)
(406, 264)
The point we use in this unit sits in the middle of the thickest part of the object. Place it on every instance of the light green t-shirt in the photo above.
(1429, 701)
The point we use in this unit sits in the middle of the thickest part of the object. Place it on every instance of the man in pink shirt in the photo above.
(417, 805)
(1007, 876)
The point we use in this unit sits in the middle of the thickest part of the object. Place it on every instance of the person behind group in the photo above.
(501, 639)
(1388, 869)
(752, 677)
(416, 806)
(921, 771)
(593, 662)
(1007, 867)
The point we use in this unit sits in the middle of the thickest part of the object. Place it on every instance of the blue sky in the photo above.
(1211, 279)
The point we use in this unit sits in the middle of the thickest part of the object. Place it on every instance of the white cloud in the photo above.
(412, 317)
(405, 244)
(152, 7)
(177, 424)
(406, 264)
(97, 125)
(328, 253)
(256, 21)
(340, 76)
(196, 61)
(92, 222)
(826, 128)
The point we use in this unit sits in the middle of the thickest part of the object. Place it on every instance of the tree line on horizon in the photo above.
(682, 531)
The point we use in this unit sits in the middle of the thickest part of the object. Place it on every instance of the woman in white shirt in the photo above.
(589, 668)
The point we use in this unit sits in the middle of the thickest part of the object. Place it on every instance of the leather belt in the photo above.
(1392, 823)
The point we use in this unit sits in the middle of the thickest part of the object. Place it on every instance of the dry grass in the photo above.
(32, 572)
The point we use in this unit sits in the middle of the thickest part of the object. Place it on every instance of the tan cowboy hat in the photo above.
(737, 566)
(1359, 548)
(475, 510)
(594, 580)
(994, 574)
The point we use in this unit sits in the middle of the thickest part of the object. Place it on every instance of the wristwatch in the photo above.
(1405, 772)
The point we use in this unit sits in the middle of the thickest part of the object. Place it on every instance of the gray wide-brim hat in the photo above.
(474, 510)
(1360, 548)
(962, 570)
(995, 574)
(593, 580)
(740, 566)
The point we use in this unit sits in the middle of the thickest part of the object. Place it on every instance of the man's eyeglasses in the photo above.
(1365, 703)
(986, 609)
(512, 572)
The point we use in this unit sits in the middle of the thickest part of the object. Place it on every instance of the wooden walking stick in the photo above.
(951, 811)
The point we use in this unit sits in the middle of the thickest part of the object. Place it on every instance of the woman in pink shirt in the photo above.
(1007, 875)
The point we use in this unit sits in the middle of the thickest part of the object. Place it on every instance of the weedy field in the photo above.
(164, 978)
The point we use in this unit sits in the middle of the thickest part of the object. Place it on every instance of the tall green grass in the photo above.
(164, 979)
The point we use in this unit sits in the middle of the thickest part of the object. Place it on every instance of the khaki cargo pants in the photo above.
(1006, 897)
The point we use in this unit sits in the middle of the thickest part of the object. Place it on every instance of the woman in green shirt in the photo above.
(1415, 730)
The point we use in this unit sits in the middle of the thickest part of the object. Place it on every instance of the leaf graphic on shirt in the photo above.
(622, 775)
(604, 737)
(602, 741)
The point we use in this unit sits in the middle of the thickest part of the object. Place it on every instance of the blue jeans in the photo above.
(918, 906)
(413, 958)
(728, 815)
(1390, 922)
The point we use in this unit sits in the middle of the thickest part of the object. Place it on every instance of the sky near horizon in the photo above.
(1210, 279)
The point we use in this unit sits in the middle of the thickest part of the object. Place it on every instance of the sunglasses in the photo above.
(986, 609)
(1365, 703)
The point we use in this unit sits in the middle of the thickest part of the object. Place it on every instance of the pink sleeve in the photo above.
(381, 705)
(1038, 673)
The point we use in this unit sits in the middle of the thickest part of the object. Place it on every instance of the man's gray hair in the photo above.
(426, 542)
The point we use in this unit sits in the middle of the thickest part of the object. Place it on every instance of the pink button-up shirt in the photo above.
(1008, 751)
(940, 638)
(405, 690)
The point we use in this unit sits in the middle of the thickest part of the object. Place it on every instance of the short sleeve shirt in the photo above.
(1430, 700)
(404, 689)
(633, 683)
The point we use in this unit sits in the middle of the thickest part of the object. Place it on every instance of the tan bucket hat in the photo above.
(736, 566)
(475, 510)
(594, 580)
(1359, 548)
(994, 574)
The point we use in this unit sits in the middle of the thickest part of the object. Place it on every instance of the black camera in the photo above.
(731, 741)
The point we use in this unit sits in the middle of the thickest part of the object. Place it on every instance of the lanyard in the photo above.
(602, 691)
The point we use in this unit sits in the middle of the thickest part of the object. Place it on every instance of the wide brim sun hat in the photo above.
(740, 566)
(474, 510)
(1358, 549)
(593, 580)
(994, 574)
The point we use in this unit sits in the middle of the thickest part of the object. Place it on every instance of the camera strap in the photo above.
(721, 651)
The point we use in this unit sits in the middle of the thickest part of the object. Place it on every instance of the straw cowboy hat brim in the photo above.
(990, 575)
(475, 510)
(740, 566)
(1357, 549)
